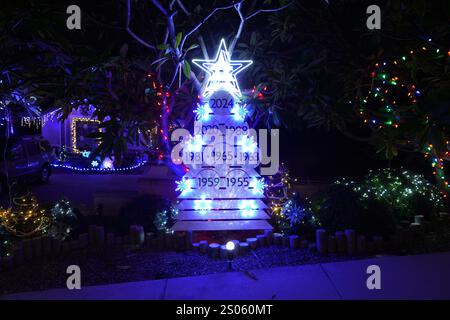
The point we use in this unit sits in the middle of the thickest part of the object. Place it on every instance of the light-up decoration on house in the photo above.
(74, 130)
(108, 163)
(203, 112)
(227, 192)
(97, 168)
(85, 153)
(94, 163)
(222, 72)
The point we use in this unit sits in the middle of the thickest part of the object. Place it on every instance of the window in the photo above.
(45, 146)
(16, 152)
(33, 148)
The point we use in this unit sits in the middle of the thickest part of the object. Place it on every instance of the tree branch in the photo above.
(241, 26)
(130, 32)
(160, 7)
(268, 10)
(174, 77)
(183, 7)
(203, 21)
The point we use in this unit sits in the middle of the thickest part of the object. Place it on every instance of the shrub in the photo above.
(339, 207)
(404, 193)
(142, 211)
(376, 203)
(296, 217)
(165, 219)
(64, 221)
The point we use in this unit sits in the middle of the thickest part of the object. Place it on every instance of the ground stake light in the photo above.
(230, 249)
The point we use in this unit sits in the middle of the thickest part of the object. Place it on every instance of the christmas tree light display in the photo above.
(25, 218)
(63, 220)
(221, 189)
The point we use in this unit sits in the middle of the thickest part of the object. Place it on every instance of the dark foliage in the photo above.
(338, 208)
(141, 211)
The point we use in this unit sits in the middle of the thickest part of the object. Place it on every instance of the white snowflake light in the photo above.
(258, 186)
(239, 112)
(248, 208)
(184, 185)
(247, 143)
(203, 111)
(195, 143)
(202, 205)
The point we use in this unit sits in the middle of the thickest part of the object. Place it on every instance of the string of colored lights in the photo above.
(87, 170)
(24, 218)
(396, 98)
(156, 89)
(278, 192)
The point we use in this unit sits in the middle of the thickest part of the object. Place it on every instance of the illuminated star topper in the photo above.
(222, 72)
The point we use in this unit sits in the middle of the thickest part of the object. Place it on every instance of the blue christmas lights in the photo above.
(239, 112)
(98, 169)
(247, 144)
(203, 112)
(258, 186)
(202, 205)
(184, 185)
(248, 208)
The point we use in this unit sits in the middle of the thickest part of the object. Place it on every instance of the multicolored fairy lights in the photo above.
(394, 101)
(389, 97)
(279, 191)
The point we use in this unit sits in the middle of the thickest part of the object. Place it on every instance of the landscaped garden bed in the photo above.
(133, 258)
